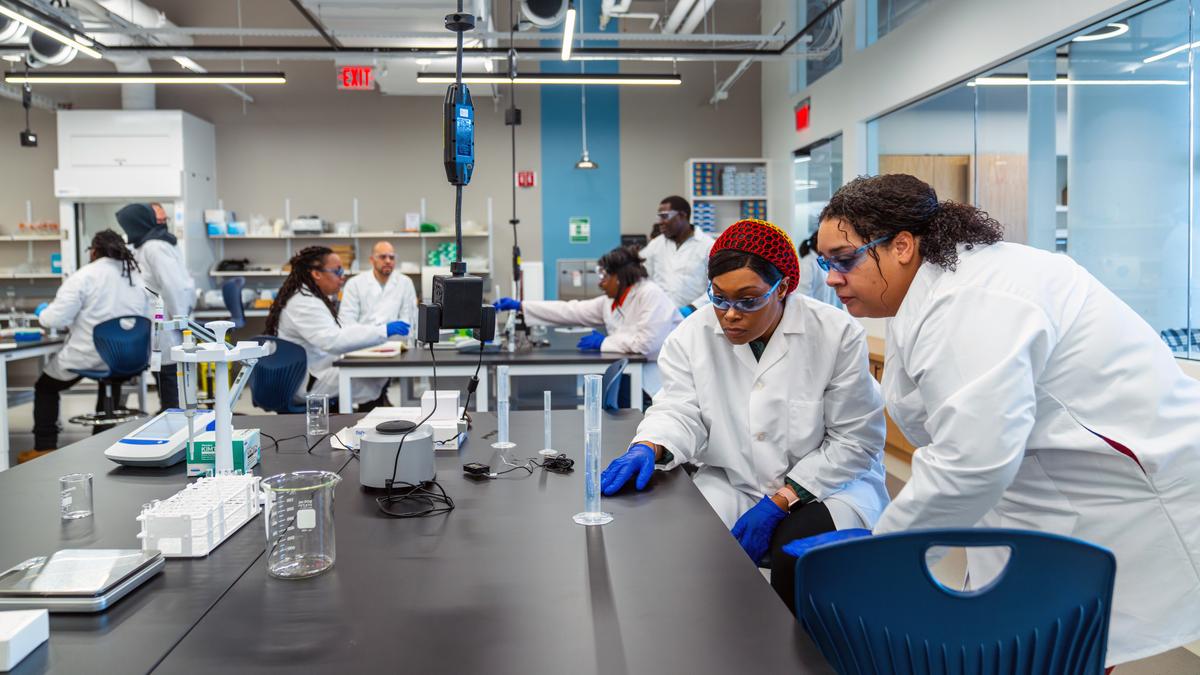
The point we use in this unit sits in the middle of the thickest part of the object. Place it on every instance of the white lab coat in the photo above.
(1006, 374)
(95, 293)
(808, 410)
(165, 273)
(364, 300)
(812, 281)
(306, 320)
(681, 271)
(638, 326)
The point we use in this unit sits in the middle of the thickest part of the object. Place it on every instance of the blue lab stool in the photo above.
(612, 386)
(277, 377)
(231, 293)
(124, 346)
(873, 606)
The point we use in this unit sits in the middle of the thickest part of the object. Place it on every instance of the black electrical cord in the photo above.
(277, 441)
(409, 492)
(472, 386)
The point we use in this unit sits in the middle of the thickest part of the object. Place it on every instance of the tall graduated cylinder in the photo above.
(593, 389)
(502, 441)
(298, 513)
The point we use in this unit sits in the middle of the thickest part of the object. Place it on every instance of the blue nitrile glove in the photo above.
(754, 529)
(591, 343)
(686, 310)
(507, 305)
(37, 311)
(638, 459)
(397, 328)
(799, 547)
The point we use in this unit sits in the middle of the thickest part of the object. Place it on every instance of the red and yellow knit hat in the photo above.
(766, 241)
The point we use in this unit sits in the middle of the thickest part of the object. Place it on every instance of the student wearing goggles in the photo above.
(772, 392)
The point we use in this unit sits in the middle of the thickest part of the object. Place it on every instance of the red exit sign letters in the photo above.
(356, 77)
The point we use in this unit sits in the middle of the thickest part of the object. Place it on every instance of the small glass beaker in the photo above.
(75, 495)
(316, 414)
(298, 512)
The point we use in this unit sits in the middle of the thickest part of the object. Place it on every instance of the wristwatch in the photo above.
(789, 495)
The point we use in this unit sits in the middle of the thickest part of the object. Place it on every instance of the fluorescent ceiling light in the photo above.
(1111, 30)
(189, 64)
(145, 78)
(553, 78)
(81, 43)
(1171, 52)
(568, 31)
(1065, 82)
(800, 159)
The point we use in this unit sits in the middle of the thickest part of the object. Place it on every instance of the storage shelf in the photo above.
(31, 237)
(281, 273)
(224, 313)
(30, 275)
(727, 198)
(357, 235)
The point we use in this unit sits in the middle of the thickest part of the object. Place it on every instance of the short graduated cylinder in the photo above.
(502, 442)
(592, 395)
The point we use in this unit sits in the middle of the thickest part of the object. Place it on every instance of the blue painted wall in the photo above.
(566, 191)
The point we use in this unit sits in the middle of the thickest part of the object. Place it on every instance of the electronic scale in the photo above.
(160, 442)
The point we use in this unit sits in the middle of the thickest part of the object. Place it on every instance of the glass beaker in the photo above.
(298, 513)
(316, 414)
(75, 495)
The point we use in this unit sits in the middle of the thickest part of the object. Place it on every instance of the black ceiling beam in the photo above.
(316, 23)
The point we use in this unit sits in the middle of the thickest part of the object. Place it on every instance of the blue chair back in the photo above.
(873, 606)
(277, 377)
(611, 384)
(231, 293)
(123, 344)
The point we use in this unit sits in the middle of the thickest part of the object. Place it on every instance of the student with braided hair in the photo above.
(304, 313)
(109, 286)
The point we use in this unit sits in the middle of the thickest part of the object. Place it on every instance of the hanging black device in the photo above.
(457, 299)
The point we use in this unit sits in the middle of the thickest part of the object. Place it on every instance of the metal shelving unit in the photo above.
(711, 199)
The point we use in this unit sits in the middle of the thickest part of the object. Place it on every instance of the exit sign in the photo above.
(356, 77)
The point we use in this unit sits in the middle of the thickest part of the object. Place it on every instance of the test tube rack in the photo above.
(194, 521)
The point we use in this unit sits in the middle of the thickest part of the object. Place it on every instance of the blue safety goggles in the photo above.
(338, 272)
(744, 304)
(845, 263)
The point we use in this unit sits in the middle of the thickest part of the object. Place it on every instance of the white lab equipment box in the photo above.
(447, 406)
(21, 632)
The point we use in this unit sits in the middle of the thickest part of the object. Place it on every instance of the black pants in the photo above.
(46, 398)
(382, 401)
(805, 521)
(168, 387)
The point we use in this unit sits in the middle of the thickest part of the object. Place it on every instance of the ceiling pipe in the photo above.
(697, 15)
(678, 15)
(525, 36)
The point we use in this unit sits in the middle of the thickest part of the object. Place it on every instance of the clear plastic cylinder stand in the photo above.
(502, 442)
(547, 444)
(592, 395)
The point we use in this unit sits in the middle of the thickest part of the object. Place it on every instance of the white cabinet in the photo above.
(108, 158)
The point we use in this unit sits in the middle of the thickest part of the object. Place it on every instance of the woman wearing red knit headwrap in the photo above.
(771, 392)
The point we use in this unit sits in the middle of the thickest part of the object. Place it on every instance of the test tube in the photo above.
(592, 394)
(547, 445)
(502, 442)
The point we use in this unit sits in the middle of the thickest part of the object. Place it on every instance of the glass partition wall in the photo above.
(1085, 147)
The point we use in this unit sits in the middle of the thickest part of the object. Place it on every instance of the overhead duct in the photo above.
(544, 13)
(45, 51)
(11, 31)
(133, 13)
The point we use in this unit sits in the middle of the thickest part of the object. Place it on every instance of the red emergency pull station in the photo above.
(356, 77)
(803, 108)
(526, 179)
